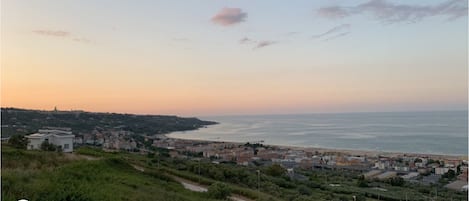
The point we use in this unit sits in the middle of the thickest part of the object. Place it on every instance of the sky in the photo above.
(223, 57)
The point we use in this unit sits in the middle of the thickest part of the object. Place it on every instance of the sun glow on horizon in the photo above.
(230, 58)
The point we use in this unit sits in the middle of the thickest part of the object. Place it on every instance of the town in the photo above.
(415, 168)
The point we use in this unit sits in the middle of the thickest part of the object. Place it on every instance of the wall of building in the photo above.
(65, 142)
(35, 143)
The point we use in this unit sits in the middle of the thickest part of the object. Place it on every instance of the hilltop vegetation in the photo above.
(38, 175)
(91, 174)
(22, 121)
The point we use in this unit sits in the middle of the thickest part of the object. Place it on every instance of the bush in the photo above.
(396, 181)
(303, 190)
(219, 191)
(275, 170)
(361, 182)
(46, 146)
(18, 141)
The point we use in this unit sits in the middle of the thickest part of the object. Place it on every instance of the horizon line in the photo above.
(228, 115)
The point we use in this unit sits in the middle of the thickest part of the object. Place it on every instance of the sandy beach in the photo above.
(335, 151)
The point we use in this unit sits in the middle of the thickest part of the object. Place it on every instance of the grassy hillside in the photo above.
(37, 175)
(91, 174)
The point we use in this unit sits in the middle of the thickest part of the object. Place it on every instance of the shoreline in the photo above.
(354, 152)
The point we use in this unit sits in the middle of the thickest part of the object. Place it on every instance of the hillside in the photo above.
(91, 174)
(37, 175)
(22, 121)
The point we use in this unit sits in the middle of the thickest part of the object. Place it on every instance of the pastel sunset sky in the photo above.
(221, 57)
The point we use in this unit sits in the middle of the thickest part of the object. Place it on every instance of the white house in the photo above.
(57, 136)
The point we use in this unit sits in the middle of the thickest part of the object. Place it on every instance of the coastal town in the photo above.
(419, 168)
(375, 166)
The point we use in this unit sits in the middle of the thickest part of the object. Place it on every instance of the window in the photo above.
(66, 146)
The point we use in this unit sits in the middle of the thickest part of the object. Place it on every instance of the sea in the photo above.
(438, 132)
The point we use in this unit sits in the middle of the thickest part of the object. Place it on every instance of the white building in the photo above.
(59, 137)
(441, 170)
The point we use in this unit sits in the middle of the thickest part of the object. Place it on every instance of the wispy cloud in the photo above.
(292, 33)
(337, 36)
(82, 40)
(245, 40)
(389, 12)
(265, 43)
(333, 30)
(257, 44)
(229, 16)
(52, 33)
(62, 34)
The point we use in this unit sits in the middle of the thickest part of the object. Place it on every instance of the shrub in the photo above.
(219, 191)
(275, 170)
(46, 146)
(303, 190)
(396, 181)
(18, 141)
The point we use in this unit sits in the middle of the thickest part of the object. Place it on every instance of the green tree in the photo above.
(304, 190)
(396, 181)
(361, 182)
(275, 170)
(18, 141)
(450, 174)
(360, 198)
(46, 146)
(219, 191)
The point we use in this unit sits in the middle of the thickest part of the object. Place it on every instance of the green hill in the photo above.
(37, 175)
(23, 121)
(92, 174)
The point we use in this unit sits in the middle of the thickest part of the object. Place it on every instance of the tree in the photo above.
(275, 170)
(396, 181)
(18, 141)
(360, 198)
(361, 182)
(450, 174)
(46, 146)
(304, 190)
(219, 191)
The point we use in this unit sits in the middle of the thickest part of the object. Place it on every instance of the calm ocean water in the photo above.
(415, 132)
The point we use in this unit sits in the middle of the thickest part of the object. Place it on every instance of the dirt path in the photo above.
(75, 156)
(193, 186)
(141, 169)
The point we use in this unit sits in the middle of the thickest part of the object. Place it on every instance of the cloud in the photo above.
(333, 30)
(292, 33)
(333, 12)
(265, 43)
(389, 12)
(82, 40)
(62, 34)
(245, 40)
(229, 16)
(52, 33)
(257, 44)
(337, 36)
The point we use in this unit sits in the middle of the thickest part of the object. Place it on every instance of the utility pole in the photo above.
(158, 155)
(199, 170)
(258, 180)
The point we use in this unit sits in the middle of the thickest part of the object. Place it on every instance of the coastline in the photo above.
(338, 151)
